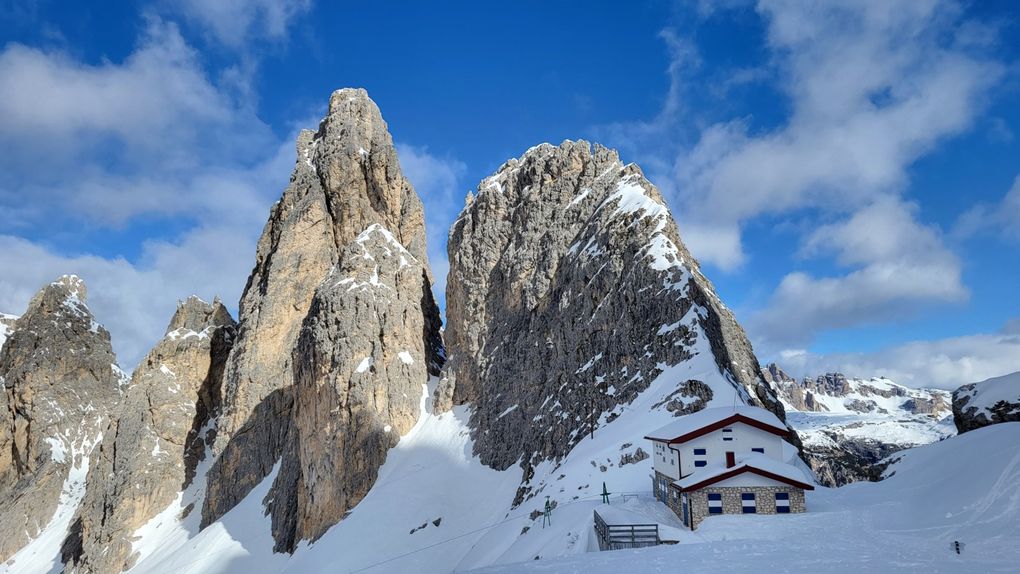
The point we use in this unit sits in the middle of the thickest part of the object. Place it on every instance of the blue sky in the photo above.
(845, 171)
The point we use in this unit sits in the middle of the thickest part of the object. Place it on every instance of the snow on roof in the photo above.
(615, 515)
(706, 417)
(745, 463)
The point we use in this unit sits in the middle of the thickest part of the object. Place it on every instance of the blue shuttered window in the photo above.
(782, 503)
(714, 503)
(747, 503)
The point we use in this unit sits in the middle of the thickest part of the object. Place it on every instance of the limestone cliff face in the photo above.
(347, 202)
(155, 440)
(361, 367)
(569, 292)
(60, 382)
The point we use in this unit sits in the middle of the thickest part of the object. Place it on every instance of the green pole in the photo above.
(605, 494)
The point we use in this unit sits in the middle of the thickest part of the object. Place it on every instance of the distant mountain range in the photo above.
(850, 425)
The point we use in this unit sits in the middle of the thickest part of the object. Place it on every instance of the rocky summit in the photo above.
(60, 381)
(337, 334)
(569, 292)
(150, 450)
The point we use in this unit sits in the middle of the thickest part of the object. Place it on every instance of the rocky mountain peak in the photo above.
(67, 294)
(157, 436)
(341, 278)
(195, 315)
(569, 293)
(773, 373)
(60, 383)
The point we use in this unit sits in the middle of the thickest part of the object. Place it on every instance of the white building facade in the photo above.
(726, 461)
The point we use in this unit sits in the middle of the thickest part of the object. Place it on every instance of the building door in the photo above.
(683, 505)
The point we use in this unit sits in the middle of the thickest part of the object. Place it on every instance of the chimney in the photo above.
(731, 460)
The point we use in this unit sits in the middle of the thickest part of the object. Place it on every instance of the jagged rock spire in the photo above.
(155, 440)
(346, 181)
(60, 383)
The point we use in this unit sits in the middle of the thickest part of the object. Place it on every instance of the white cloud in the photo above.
(437, 181)
(115, 144)
(1001, 219)
(48, 99)
(944, 363)
(237, 22)
(118, 140)
(901, 265)
(872, 87)
(134, 301)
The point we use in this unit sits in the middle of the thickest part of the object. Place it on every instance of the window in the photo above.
(700, 452)
(747, 503)
(727, 434)
(761, 450)
(782, 503)
(714, 503)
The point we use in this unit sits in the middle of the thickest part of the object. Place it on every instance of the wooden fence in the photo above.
(617, 536)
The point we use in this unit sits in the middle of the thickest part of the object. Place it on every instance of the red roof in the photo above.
(742, 469)
(725, 422)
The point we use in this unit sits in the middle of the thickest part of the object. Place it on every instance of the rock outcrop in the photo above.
(569, 292)
(60, 381)
(341, 277)
(6, 327)
(155, 440)
(996, 400)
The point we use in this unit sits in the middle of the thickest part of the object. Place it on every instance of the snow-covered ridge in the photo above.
(991, 401)
(986, 394)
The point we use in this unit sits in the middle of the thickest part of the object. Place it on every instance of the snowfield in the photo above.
(966, 488)
(435, 508)
(888, 422)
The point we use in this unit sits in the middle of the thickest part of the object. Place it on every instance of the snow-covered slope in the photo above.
(962, 489)
(436, 508)
(847, 425)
